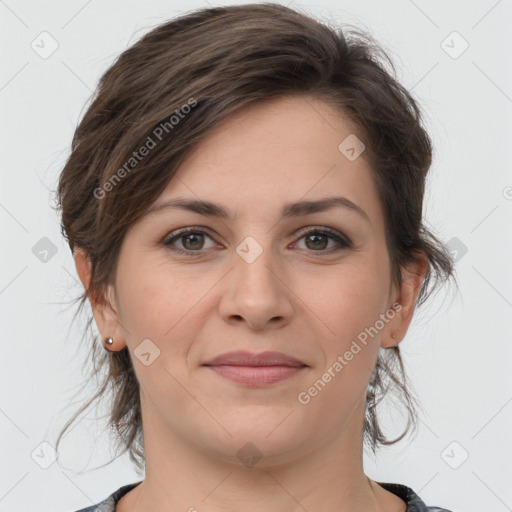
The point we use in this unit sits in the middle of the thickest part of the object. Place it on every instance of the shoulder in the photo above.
(109, 503)
(413, 501)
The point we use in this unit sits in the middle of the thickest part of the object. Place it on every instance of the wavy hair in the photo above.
(227, 58)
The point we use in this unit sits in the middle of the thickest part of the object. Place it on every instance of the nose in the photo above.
(256, 292)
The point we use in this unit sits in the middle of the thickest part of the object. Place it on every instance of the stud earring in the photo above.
(393, 335)
(108, 343)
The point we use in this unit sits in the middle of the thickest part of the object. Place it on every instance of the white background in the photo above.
(458, 350)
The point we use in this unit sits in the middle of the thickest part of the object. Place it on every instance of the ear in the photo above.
(406, 296)
(105, 313)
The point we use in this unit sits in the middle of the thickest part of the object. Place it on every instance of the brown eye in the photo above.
(317, 239)
(191, 240)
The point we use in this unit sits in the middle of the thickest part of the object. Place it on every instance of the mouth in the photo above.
(256, 376)
(255, 370)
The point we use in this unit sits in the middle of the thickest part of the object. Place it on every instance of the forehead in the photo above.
(271, 153)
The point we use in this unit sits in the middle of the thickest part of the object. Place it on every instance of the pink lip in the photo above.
(256, 375)
(255, 369)
(244, 358)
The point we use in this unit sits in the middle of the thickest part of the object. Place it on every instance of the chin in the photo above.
(265, 444)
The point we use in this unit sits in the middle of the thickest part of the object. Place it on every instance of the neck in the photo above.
(325, 476)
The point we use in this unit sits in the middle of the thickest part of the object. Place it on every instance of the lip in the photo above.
(245, 358)
(255, 370)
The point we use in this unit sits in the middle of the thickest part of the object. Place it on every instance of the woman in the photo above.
(243, 201)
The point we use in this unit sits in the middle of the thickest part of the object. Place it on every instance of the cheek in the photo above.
(156, 301)
(159, 306)
(347, 301)
(347, 307)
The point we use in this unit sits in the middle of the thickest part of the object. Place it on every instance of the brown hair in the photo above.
(218, 61)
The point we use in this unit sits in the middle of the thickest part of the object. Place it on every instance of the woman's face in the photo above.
(311, 284)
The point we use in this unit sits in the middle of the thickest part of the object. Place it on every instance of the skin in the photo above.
(295, 298)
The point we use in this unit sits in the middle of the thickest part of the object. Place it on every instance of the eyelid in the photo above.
(178, 233)
(332, 233)
(343, 241)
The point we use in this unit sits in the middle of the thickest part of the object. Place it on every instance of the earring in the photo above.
(108, 343)
(393, 335)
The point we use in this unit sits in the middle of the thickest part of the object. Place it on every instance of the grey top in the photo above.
(414, 502)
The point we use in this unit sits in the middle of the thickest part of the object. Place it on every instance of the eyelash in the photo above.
(342, 240)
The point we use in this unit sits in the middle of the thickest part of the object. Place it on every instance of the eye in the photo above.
(191, 239)
(316, 239)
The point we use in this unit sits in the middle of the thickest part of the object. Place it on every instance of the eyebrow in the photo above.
(289, 210)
